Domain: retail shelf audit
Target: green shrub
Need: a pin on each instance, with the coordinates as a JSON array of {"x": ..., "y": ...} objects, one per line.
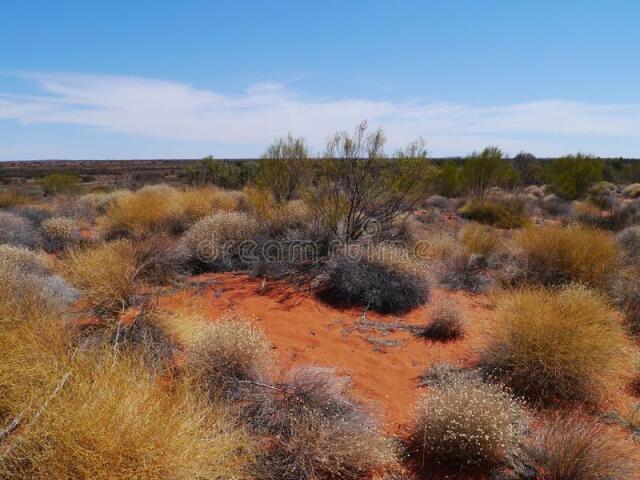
[
  {"x": 284, "y": 167},
  {"x": 500, "y": 213},
  {"x": 571, "y": 176},
  {"x": 59, "y": 183},
  {"x": 487, "y": 169}
]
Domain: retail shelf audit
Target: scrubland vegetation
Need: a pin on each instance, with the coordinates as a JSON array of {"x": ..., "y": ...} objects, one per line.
[{"x": 101, "y": 379}]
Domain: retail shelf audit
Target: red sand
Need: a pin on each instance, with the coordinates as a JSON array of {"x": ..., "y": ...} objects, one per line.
[{"x": 384, "y": 365}]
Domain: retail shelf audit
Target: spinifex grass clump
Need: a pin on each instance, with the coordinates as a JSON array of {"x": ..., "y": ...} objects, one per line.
[
  {"x": 105, "y": 275},
  {"x": 572, "y": 446},
  {"x": 557, "y": 255},
  {"x": 559, "y": 346}
]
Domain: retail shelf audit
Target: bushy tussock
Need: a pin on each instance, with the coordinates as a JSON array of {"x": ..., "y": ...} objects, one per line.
[
  {"x": 228, "y": 356},
  {"x": 467, "y": 424},
  {"x": 217, "y": 242},
  {"x": 510, "y": 212},
  {"x": 60, "y": 232},
  {"x": 278, "y": 216},
  {"x": 572, "y": 446},
  {"x": 17, "y": 230},
  {"x": 99, "y": 416},
  {"x": 11, "y": 199},
  {"x": 36, "y": 214},
  {"x": 632, "y": 190},
  {"x": 28, "y": 288},
  {"x": 320, "y": 432},
  {"x": 447, "y": 323},
  {"x": 553, "y": 205},
  {"x": 557, "y": 255},
  {"x": 383, "y": 278},
  {"x": 104, "y": 275},
  {"x": 629, "y": 240},
  {"x": 159, "y": 259},
  {"x": 558, "y": 346},
  {"x": 480, "y": 240},
  {"x": 465, "y": 272},
  {"x": 160, "y": 208},
  {"x": 436, "y": 246}
]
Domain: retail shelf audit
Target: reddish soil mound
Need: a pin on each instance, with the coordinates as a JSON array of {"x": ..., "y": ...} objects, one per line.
[{"x": 380, "y": 352}]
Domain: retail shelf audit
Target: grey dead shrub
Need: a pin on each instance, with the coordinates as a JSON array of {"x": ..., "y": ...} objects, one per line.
[
  {"x": 574, "y": 446},
  {"x": 221, "y": 241},
  {"x": 447, "y": 323},
  {"x": 29, "y": 290},
  {"x": 553, "y": 205},
  {"x": 629, "y": 240},
  {"x": 464, "y": 423},
  {"x": 60, "y": 232},
  {"x": 17, "y": 230},
  {"x": 465, "y": 272},
  {"x": 384, "y": 278},
  {"x": 319, "y": 431}
]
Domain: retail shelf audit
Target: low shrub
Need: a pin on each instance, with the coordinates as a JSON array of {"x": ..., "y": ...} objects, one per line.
[
  {"x": 228, "y": 357},
  {"x": 17, "y": 230},
  {"x": 104, "y": 275},
  {"x": 11, "y": 199},
  {"x": 501, "y": 213},
  {"x": 467, "y": 424},
  {"x": 575, "y": 447},
  {"x": 465, "y": 272},
  {"x": 629, "y": 240},
  {"x": 564, "y": 346},
  {"x": 436, "y": 246},
  {"x": 440, "y": 202},
  {"x": 36, "y": 214},
  {"x": 320, "y": 432},
  {"x": 632, "y": 191},
  {"x": 383, "y": 278},
  {"x": 60, "y": 232},
  {"x": 480, "y": 240},
  {"x": 447, "y": 323},
  {"x": 555, "y": 206},
  {"x": 61, "y": 182},
  {"x": 221, "y": 241},
  {"x": 159, "y": 259},
  {"x": 28, "y": 289},
  {"x": 558, "y": 255}
]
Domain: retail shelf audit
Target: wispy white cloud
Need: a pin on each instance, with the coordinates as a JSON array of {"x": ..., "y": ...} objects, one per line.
[{"x": 175, "y": 111}]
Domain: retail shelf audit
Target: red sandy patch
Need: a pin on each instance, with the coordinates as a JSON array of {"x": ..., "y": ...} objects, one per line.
[{"x": 382, "y": 356}]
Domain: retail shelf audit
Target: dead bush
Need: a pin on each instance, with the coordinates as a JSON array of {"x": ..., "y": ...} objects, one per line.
[
  {"x": 17, "y": 230},
  {"x": 465, "y": 272},
  {"x": 383, "y": 278},
  {"x": 572, "y": 446},
  {"x": 447, "y": 323},
  {"x": 319, "y": 431}
]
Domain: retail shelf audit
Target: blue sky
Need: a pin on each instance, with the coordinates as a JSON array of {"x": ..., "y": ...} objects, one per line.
[{"x": 148, "y": 79}]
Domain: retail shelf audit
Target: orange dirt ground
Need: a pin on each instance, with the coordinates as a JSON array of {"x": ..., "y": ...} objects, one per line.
[{"x": 383, "y": 359}]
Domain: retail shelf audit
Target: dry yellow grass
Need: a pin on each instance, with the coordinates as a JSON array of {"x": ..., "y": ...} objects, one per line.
[
  {"x": 568, "y": 254},
  {"x": 479, "y": 239},
  {"x": 90, "y": 415},
  {"x": 104, "y": 275},
  {"x": 559, "y": 346}
]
